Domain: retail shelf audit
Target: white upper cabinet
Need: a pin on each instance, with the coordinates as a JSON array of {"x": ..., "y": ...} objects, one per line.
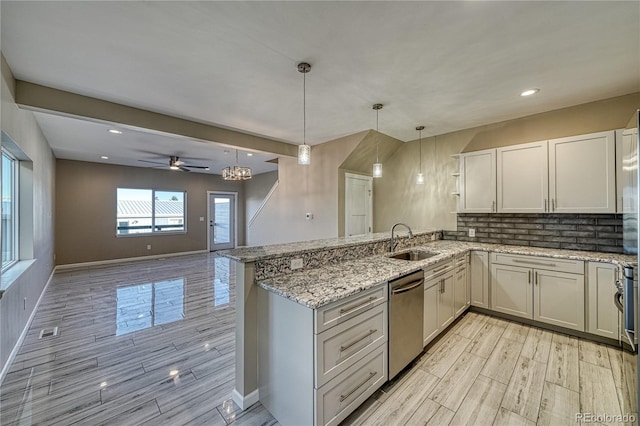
[
  {"x": 523, "y": 178},
  {"x": 626, "y": 169},
  {"x": 582, "y": 174},
  {"x": 478, "y": 182}
]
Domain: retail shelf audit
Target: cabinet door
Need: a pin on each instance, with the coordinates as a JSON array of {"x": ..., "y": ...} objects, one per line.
[
  {"x": 523, "y": 178},
  {"x": 511, "y": 291},
  {"x": 479, "y": 279},
  {"x": 559, "y": 299},
  {"x": 478, "y": 182},
  {"x": 626, "y": 170},
  {"x": 460, "y": 293},
  {"x": 431, "y": 324},
  {"x": 582, "y": 174},
  {"x": 603, "y": 316},
  {"x": 445, "y": 303}
]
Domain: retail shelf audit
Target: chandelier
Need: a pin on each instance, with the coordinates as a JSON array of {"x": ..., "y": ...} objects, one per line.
[{"x": 236, "y": 172}]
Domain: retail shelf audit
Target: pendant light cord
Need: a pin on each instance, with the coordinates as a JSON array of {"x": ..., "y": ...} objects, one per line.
[
  {"x": 377, "y": 136},
  {"x": 304, "y": 108},
  {"x": 420, "y": 150}
]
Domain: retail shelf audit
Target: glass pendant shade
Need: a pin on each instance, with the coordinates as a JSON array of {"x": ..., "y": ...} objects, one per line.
[
  {"x": 377, "y": 170},
  {"x": 420, "y": 179},
  {"x": 304, "y": 155}
]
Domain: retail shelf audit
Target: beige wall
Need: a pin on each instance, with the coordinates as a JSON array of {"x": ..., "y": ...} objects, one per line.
[
  {"x": 255, "y": 191},
  {"x": 302, "y": 189},
  {"x": 23, "y": 129},
  {"x": 86, "y": 208},
  {"x": 398, "y": 199}
]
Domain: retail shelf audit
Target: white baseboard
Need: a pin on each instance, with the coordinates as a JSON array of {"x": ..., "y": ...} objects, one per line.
[
  {"x": 16, "y": 347},
  {"x": 125, "y": 260},
  {"x": 247, "y": 401}
]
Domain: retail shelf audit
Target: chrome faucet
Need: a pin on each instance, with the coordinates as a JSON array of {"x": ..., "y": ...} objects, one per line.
[{"x": 394, "y": 244}]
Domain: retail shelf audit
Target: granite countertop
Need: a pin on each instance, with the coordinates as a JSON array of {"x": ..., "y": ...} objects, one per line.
[
  {"x": 252, "y": 254},
  {"x": 314, "y": 288}
]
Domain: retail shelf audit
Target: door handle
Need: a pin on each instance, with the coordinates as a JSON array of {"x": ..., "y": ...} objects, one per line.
[
  {"x": 529, "y": 277},
  {"x": 553, "y": 204},
  {"x": 407, "y": 287},
  {"x": 535, "y": 277},
  {"x": 545, "y": 204}
]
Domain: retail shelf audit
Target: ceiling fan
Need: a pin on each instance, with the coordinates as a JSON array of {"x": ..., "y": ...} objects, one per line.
[{"x": 176, "y": 164}]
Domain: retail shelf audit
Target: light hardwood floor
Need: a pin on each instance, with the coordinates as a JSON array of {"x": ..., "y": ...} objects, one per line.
[{"x": 152, "y": 343}]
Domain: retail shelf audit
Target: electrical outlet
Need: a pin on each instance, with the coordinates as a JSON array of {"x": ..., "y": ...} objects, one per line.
[
  {"x": 296, "y": 263},
  {"x": 148, "y": 246},
  {"x": 201, "y": 218},
  {"x": 472, "y": 232}
]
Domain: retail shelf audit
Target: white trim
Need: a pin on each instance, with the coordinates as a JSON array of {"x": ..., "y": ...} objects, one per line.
[
  {"x": 235, "y": 219},
  {"x": 126, "y": 260},
  {"x": 16, "y": 348},
  {"x": 263, "y": 203},
  {"x": 245, "y": 402},
  {"x": 347, "y": 191}
]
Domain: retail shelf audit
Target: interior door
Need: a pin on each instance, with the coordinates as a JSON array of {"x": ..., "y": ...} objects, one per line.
[
  {"x": 358, "y": 205},
  {"x": 222, "y": 221}
]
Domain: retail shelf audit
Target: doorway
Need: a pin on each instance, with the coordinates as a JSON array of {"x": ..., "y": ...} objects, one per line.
[
  {"x": 222, "y": 208},
  {"x": 358, "y": 204}
]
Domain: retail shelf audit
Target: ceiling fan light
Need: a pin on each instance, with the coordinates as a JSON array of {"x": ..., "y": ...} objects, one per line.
[{"x": 304, "y": 155}]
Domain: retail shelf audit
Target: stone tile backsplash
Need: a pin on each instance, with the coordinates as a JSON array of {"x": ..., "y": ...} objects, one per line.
[{"x": 591, "y": 232}]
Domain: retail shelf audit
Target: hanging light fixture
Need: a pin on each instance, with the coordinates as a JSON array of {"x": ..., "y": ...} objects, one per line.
[
  {"x": 236, "y": 172},
  {"x": 304, "y": 150},
  {"x": 377, "y": 166},
  {"x": 420, "y": 177}
]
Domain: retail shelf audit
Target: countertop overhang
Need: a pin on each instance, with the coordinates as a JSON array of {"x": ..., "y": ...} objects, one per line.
[{"x": 314, "y": 288}]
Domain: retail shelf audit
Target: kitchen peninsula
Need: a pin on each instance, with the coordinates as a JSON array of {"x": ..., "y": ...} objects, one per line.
[{"x": 275, "y": 282}]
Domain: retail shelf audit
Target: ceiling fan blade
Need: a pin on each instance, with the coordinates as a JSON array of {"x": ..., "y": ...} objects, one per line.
[
  {"x": 195, "y": 167},
  {"x": 183, "y": 169},
  {"x": 152, "y": 162}
]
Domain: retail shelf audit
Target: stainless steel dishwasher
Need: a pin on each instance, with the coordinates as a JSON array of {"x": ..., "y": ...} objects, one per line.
[{"x": 406, "y": 312}]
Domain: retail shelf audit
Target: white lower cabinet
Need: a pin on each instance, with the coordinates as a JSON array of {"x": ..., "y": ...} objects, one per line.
[
  {"x": 446, "y": 314},
  {"x": 543, "y": 289},
  {"x": 461, "y": 295},
  {"x": 479, "y": 279},
  {"x": 603, "y": 316},
  {"x": 431, "y": 326}
]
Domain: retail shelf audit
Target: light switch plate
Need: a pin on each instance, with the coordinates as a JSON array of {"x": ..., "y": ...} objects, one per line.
[
  {"x": 296, "y": 263},
  {"x": 472, "y": 232}
]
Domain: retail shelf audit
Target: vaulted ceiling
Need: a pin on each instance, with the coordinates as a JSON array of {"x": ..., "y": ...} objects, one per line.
[{"x": 446, "y": 65}]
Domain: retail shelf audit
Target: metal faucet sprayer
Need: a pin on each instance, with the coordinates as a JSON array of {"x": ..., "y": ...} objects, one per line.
[{"x": 394, "y": 244}]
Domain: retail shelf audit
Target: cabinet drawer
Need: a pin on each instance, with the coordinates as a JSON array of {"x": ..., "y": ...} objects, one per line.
[
  {"x": 461, "y": 260},
  {"x": 342, "y": 395},
  {"x": 438, "y": 269},
  {"x": 547, "y": 263},
  {"x": 343, "y": 310},
  {"x": 341, "y": 346}
]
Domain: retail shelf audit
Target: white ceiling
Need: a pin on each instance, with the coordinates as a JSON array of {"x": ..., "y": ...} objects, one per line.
[{"x": 447, "y": 65}]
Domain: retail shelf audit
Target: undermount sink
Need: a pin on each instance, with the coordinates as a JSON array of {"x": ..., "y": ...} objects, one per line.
[{"x": 412, "y": 255}]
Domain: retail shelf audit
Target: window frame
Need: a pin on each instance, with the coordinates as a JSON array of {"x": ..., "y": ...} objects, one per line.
[
  {"x": 15, "y": 207},
  {"x": 153, "y": 231}
]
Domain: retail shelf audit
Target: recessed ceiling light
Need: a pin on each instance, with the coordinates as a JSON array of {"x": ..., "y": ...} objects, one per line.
[
  {"x": 115, "y": 132},
  {"x": 104, "y": 157},
  {"x": 249, "y": 154},
  {"x": 529, "y": 92}
]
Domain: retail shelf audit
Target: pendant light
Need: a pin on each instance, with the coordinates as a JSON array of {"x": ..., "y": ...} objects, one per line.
[
  {"x": 420, "y": 177},
  {"x": 236, "y": 172},
  {"x": 377, "y": 166},
  {"x": 304, "y": 150}
]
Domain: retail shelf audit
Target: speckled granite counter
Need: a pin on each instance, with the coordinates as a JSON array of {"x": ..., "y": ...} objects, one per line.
[{"x": 317, "y": 287}]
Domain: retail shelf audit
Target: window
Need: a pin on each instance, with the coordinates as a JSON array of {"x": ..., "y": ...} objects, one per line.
[
  {"x": 9, "y": 210},
  {"x": 147, "y": 211}
]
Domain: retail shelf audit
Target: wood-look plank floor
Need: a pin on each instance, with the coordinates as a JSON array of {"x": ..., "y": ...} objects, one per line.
[
  {"x": 149, "y": 342},
  {"x": 153, "y": 343},
  {"x": 489, "y": 371}
]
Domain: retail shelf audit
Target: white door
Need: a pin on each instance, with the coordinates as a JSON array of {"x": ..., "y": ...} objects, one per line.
[
  {"x": 431, "y": 326},
  {"x": 523, "y": 178},
  {"x": 602, "y": 312},
  {"x": 358, "y": 204},
  {"x": 582, "y": 175},
  {"x": 479, "y": 278},
  {"x": 559, "y": 299},
  {"x": 222, "y": 221},
  {"x": 478, "y": 182},
  {"x": 445, "y": 305}
]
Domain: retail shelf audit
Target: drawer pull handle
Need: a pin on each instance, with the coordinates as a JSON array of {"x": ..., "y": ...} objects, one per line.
[
  {"x": 344, "y": 348},
  {"x": 529, "y": 262},
  {"x": 371, "y": 375},
  {"x": 356, "y": 307},
  {"x": 435, "y": 271},
  {"x": 407, "y": 287}
]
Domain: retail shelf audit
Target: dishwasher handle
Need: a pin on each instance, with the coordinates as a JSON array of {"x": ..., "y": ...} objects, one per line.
[{"x": 407, "y": 287}]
